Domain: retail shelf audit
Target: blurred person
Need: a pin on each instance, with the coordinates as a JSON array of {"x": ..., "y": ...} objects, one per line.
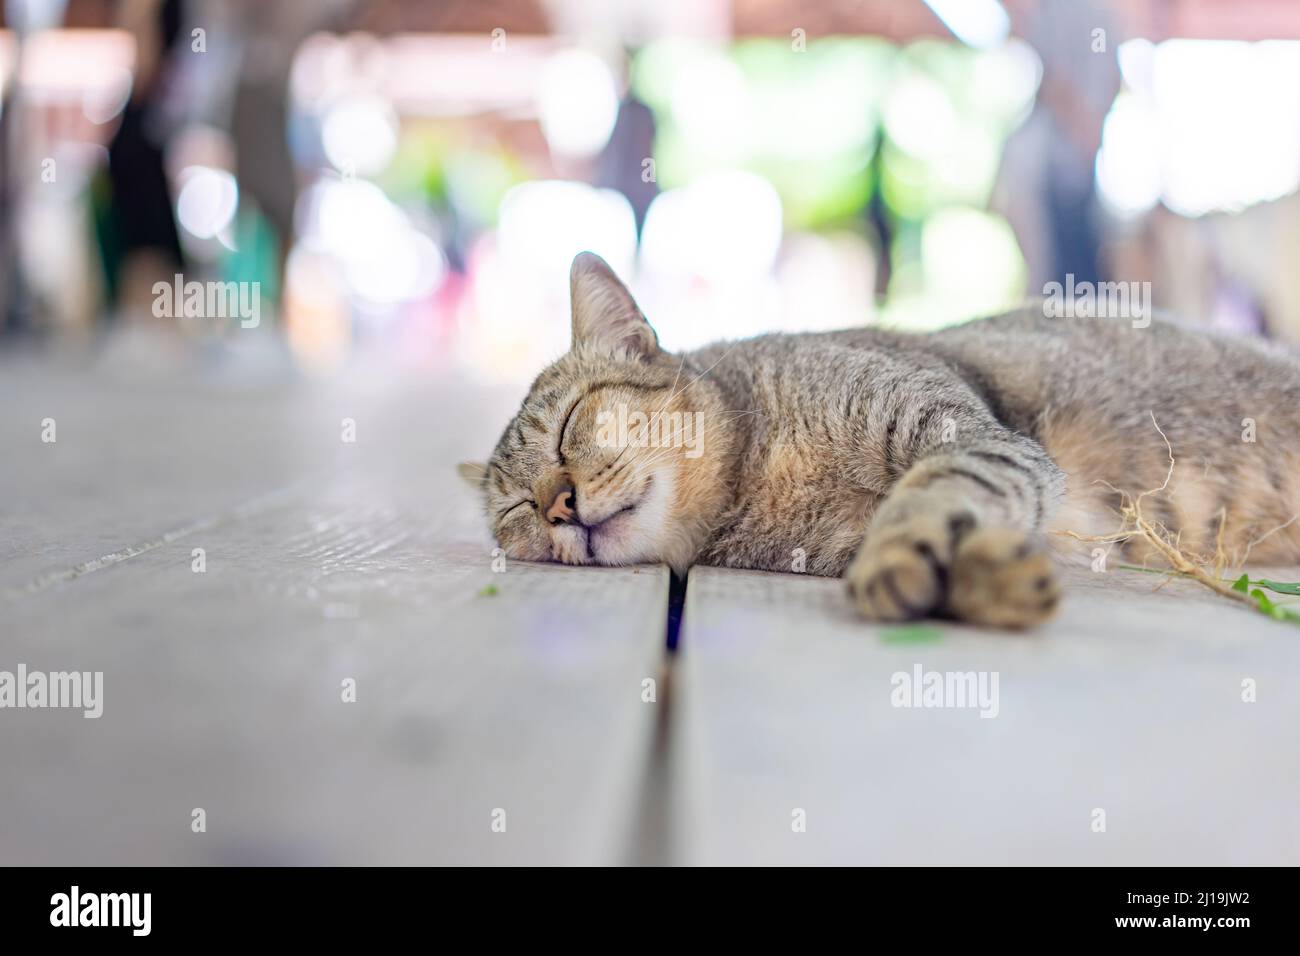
[
  {"x": 631, "y": 143},
  {"x": 10, "y": 308},
  {"x": 23, "y": 18},
  {"x": 1049, "y": 162},
  {"x": 876, "y": 223},
  {"x": 141, "y": 224},
  {"x": 269, "y": 35}
]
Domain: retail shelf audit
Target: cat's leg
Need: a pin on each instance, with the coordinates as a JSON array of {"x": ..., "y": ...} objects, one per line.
[{"x": 959, "y": 534}]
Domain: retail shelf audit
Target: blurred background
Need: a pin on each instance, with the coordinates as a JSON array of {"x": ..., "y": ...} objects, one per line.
[{"x": 405, "y": 181}]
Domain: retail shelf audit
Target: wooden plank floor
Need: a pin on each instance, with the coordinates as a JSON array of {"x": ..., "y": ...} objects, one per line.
[
  {"x": 329, "y": 560},
  {"x": 1130, "y": 702},
  {"x": 325, "y": 561}
]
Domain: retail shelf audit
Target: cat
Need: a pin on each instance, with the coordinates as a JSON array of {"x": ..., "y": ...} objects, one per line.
[{"x": 937, "y": 472}]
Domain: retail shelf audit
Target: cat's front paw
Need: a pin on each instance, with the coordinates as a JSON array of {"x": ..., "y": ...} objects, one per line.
[{"x": 930, "y": 566}]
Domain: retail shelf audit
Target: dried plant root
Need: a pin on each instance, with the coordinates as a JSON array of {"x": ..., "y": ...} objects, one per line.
[{"x": 1207, "y": 571}]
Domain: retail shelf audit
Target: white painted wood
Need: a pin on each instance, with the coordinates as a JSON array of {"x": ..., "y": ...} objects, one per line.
[
  {"x": 325, "y": 561},
  {"x": 1130, "y": 702},
  {"x": 329, "y": 560}
]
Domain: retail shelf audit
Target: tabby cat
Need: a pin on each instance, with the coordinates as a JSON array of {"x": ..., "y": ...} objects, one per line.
[{"x": 929, "y": 470}]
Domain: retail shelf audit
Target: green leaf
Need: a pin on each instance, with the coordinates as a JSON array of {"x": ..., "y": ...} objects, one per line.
[
  {"x": 489, "y": 591},
  {"x": 1244, "y": 584},
  {"x": 1275, "y": 611},
  {"x": 1280, "y": 587},
  {"x": 1265, "y": 605},
  {"x": 911, "y": 634}
]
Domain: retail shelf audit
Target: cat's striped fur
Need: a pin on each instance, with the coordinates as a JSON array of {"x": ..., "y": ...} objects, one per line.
[{"x": 927, "y": 469}]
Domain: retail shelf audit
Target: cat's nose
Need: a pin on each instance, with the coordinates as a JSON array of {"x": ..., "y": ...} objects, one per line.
[{"x": 561, "y": 510}]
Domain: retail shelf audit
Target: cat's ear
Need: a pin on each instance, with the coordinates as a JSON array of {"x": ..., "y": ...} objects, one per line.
[
  {"x": 604, "y": 312},
  {"x": 473, "y": 473}
]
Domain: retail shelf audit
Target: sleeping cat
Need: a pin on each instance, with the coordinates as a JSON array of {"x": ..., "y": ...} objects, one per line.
[{"x": 927, "y": 469}]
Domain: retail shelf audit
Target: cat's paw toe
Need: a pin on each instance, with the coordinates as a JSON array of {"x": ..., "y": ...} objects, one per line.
[
  {"x": 902, "y": 577},
  {"x": 1003, "y": 578}
]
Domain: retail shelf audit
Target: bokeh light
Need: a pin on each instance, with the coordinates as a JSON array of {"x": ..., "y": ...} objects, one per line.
[
  {"x": 577, "y": 103},
  {"x": 207, "y": 201},
  {"x": 359, "y": 135},
  {"x": 541, "y": 226},
  {"x": 1204, "y": 126}
]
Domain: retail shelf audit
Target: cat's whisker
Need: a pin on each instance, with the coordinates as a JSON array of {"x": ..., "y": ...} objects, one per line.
[
  {"x": 675, "y": 393},
  {"x": 644, "y": 466},
  {"x": 672, "y": 389}
]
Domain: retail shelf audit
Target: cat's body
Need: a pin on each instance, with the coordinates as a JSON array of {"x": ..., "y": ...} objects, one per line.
[
  {"x": 925, "y": 468},
  {"x": 837, "y": 417}
]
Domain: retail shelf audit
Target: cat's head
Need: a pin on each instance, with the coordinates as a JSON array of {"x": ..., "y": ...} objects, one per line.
[{"x": 619, "y": 452}]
